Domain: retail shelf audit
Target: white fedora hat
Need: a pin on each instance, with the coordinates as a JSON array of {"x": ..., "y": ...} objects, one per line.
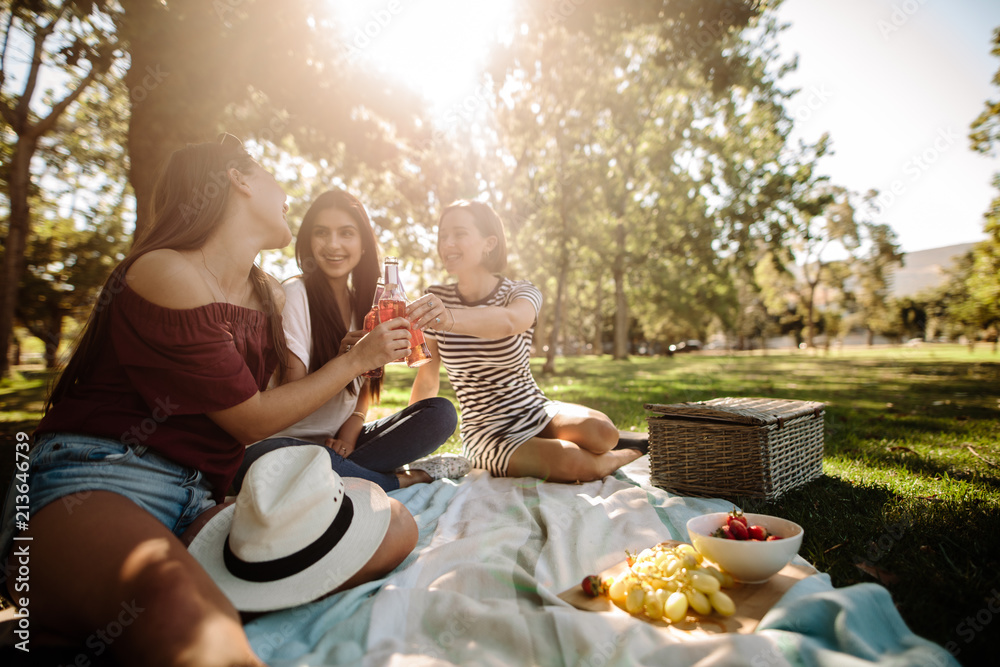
[{"x": 296, "y": 531}]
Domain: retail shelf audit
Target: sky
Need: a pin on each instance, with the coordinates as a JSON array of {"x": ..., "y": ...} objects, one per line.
[{"x": 897, "y": 83}]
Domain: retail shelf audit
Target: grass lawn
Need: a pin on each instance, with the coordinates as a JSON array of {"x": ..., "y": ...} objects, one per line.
[{"x": 910, "y": 496}]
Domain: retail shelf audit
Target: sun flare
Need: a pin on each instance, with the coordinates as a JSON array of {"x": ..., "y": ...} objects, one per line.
[{"x": 436, "y": 46}]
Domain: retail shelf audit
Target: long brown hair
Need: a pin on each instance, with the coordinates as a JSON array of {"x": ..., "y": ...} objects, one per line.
[
  {"x": 188, "y": 202},
  {"x": 328, "y": 327}
]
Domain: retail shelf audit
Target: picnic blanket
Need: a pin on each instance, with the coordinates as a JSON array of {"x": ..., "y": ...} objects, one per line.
[{"x": 482, "y": 585}]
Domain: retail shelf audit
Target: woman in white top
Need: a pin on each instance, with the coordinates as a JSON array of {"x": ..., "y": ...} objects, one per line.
[
  {"x": 481, "y": 328},
  {"x": 323, "y": 317}
]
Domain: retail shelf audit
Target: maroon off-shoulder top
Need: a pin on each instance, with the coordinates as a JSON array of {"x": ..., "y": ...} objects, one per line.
[{"x": 159, "y": 373}]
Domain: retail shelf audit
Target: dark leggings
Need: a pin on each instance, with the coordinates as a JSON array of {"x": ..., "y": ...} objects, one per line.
[{"x": 382, "y": 446}]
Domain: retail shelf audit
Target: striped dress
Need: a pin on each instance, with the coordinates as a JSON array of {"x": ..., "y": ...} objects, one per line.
[{"x": 501, "y": 405}]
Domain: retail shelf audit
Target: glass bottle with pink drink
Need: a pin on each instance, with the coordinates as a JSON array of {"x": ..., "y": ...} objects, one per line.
[
  {"x": 371, "y": 321},
  {"x": 393, "y": 304}
]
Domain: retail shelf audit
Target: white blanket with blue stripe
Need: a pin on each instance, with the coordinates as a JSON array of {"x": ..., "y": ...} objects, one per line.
[{"x": 481, "y": 588}]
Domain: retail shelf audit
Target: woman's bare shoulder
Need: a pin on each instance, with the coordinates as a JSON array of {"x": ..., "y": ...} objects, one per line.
[{"x": 168, "y": 279}]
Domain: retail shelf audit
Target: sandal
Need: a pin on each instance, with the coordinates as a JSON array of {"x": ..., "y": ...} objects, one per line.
[{"x": 451, "y": 466}]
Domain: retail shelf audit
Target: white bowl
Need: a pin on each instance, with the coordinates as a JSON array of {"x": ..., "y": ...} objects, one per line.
[{"x": 748, "y": 561}]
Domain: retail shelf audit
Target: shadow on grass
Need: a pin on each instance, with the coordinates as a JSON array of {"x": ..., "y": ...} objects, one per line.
[{"x": 940, "y": 560}]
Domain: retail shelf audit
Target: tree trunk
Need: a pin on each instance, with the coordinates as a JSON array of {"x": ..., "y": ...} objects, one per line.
[
  {"x": 176, "y": 78},
  {"x": 17, "y": 239},
  {"x": 51, "y": 336},
  {"x": 621, "y": 305},
  {"x": 810, "y": 316},
  {"x": 557, "y": 312},
  {"x": 599, "y": 320}
]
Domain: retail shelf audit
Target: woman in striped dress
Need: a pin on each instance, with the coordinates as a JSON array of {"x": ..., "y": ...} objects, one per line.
[{"x": 481, "y": 328}]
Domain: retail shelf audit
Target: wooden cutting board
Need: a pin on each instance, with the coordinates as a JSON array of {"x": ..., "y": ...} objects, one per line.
[{"x": 752, "y": 602}]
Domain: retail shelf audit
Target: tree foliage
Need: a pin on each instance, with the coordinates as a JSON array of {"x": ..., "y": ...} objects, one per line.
[
  {"x": 75, "y": 41},
  {"x": 265, "y": 70},
  {"x": 598, "y": 117},
  {"x": 639, "y": 153},
  {"x": 984, "y": 278},
  {"x": 83, "y": 222}
]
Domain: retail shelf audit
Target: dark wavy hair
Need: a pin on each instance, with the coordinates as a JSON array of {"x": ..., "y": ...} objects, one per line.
[
  {"x": 489, "y": 224},
  {"x": 328, "y": 328},
  {"x": 189, "y": 199}
]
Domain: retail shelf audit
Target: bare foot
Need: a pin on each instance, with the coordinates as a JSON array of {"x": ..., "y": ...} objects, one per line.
[{"x": 413, "y": 477}]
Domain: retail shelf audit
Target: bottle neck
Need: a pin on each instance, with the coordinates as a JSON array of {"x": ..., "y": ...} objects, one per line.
[
  {"x": 391, "y": 275},
  {"x": 393, "y": 288},
  {"x": 379, "y": 289}
]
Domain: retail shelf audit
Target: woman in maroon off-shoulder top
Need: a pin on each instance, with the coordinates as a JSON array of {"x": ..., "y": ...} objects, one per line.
[{"x": 149, "y": 421}]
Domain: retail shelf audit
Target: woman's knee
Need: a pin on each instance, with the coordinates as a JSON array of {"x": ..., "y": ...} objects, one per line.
[
  {"x": 176, "y": 585},
  {"x": 443, "y": 414},
  {"x": 402, "y": 534},
  {"x": 604, "y": 431},
  {"x": 174, "y": 607}
]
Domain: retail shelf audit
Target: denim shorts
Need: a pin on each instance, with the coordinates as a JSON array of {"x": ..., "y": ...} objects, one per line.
[{"x": 65, "y": 468}]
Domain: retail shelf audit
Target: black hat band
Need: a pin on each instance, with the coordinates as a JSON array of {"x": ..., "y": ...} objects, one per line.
[{"x": 286, "y": 566}]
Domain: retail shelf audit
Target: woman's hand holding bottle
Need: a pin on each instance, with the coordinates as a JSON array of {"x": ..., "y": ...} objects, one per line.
[
  {"x": 428, "y": 312},
  {"x": 387, "y": 342}
]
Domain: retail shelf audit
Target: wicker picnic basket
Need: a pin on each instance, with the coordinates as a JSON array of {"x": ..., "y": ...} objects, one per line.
[{"x": 727, "y": 447}]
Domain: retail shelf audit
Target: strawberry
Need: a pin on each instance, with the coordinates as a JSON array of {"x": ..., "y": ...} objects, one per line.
[
  {"x": 757, "y": 533},
  {"x": 737, "y": 516},
  {"x": 739, "y": 530},
  {"x": 772, "y": 538},
  {"x": 724, "y": 532},
  {"x": 593, "y": 586}
]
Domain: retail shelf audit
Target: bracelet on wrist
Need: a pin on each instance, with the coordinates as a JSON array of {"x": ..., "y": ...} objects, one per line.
[{"x": 358, "y": 413}]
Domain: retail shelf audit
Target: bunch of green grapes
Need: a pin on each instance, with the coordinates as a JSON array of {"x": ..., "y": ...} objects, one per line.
[{"x": 663, "y": 582}]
